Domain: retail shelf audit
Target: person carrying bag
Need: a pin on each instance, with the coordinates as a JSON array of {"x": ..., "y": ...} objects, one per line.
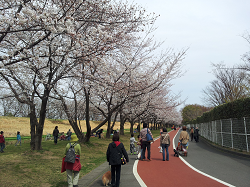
[
  {"x": 145, "y": 142},
  {"x": 115, "y": 154}
]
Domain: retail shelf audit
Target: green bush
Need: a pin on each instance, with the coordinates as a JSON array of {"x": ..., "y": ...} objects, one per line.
[{"x": 237, "y": 109}]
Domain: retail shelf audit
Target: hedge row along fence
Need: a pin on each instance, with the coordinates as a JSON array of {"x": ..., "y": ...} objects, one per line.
[{"x": 237, "y": 109}]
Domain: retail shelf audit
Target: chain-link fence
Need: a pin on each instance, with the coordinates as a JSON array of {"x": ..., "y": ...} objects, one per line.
[{"x": 233, "y": 133}]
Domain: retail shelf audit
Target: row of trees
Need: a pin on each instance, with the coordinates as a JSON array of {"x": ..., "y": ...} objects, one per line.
[{"x": 84, "y": 58}]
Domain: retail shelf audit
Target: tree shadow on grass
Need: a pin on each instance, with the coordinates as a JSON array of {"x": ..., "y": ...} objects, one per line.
[{"x": 62, "y": 184}]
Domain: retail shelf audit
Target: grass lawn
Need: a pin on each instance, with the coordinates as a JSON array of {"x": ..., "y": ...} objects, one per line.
[{"x": 21, "y": 167}]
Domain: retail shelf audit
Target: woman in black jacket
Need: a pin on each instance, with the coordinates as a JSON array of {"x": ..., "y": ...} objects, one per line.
[{"x": 114, "y": 155}]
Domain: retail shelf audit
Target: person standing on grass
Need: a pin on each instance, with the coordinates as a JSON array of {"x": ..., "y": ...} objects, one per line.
[
  {"x": 73, "y": 168},
  {"x": 115, "y": 152},
  {"x": 69, "y": 133},
  {"x": 2, "y": 141},
  {"x": 18, "y": 138},
  {"x": 55, "y": 134},
  {"x": 165, "y": 142},
  {"x": 145, "y": 143}
]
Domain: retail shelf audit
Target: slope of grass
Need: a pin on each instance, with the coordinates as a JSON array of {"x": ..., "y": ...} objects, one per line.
[{"x": 21, "y": 167}]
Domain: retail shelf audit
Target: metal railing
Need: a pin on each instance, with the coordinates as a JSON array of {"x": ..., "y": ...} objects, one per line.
[{"x": 232, "y": 133}]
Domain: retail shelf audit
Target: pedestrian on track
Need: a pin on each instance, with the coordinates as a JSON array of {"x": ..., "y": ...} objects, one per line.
[
  {"x": 115, "y": 153},
  {"x": 196, "y": 134},
  {"x": 145, "y": 143},
  {"x": 192, "y": 133},
  {"x": 165, "y": 142},
  {"x": 184, "y": 138}
]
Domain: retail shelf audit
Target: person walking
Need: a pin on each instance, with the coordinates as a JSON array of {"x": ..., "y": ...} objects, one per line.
[
  {"x": 165, "y": 142},
  {"x": 55, "y": 134},
  {"x": 184, "y": 138},
  {"x": 73, "y": 168},
  {"x": 196, "y": 134},
  {"x": 161, "y": 131},
  {"x": 18, "y": 138},
  {"x": 69, "y": 133},
  {"x": 192, "y": 133},
  {"x": 2, "y": 141},
  {"x": 145, "y": 143},
  {"x": 115, "y": 152}
]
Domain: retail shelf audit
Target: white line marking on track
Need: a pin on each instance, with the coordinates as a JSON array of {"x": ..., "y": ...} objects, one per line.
[
  {"x": 137, "y": 176},
  {"x": 183, "y": 160}
]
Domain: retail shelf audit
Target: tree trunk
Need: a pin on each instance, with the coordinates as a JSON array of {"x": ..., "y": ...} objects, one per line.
[
  {"x": 88, "y": 133},
  {"x": 131, "y": 126},
  {"x": 121, "y": 123},
  {"x": 39, "y": 129},
  {"x": 33, "y": 125},
  {"x": 116, "y": 114},
  {"x": 108, "y": 128}
]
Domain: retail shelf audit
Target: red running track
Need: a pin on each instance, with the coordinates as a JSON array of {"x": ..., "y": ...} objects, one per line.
[{"x": 158, "y": 173}]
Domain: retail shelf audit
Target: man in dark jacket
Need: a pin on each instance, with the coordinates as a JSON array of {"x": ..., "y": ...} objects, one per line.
[
  {"x": 196, "y": 134},
  {"x": 55, "y": 134},
  {"x": 115, "y": 153}
]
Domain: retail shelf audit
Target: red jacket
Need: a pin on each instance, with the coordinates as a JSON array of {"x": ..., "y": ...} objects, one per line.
[
  {"x": 75, "y": 167},
  {"x": 2, "y": 139}
]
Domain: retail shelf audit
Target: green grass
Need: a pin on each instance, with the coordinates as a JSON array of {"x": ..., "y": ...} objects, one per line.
[{"x": 22, "y": 167}]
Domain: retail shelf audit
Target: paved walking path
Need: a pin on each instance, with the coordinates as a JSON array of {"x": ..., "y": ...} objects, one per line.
[
  {"x": 176, "y": 172},
  {"x": 94, "y": 178}
]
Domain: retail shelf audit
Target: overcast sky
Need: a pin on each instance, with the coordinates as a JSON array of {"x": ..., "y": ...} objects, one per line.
[{"x": 212, "y": 29}]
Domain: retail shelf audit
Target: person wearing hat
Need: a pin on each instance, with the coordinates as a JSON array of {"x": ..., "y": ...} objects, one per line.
[
  {"x": 2, "y": 141},
  {"x": 73, "y": 168}
]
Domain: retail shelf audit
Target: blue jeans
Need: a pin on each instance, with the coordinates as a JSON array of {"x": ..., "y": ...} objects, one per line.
[
  {"x": 18, "y": 141},
  {"x": 55, "y": 139},
  {"x": 165, "y": 146},
  {"x": 69, "y": 138},
  {"x": 2, "y": 146},
  {"x": 145, "y": 145}
]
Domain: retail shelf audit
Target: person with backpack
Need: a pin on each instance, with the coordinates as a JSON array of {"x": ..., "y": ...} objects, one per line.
[
  {"x": 115, "y": 153},
  {"x": 72, "y": 161}
]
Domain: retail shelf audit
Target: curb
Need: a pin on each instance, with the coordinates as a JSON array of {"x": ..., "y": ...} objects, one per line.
[
  {"x": 89, "y": 178},
  {"x": 221, "y": 148}
]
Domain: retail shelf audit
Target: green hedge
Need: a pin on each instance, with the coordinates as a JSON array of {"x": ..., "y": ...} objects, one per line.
[{"x": 236, "y": 109}]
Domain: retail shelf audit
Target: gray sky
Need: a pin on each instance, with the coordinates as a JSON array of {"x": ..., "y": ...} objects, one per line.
[{"x": 212, "y": 29}]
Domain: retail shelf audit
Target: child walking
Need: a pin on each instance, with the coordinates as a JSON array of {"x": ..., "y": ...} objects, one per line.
[
  {"x": 132, "y": 144},
  {"x": 18, "y": 138},
  {"x": 139, "y": 147}
]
